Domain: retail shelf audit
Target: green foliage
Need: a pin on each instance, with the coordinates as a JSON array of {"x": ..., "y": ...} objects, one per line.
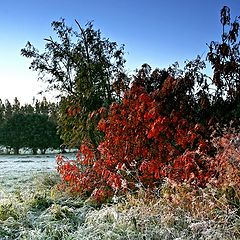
[
  {"x": 12, "y": 135},
  {"x": 86, "y": 69},
  {"x": 33, "y": 131},
  {"x": 41, "y": 133},
  {"x": 8, "y": 110},
  {"x": 2, "y": 110},
  {"x": 8, "y": 210},
  {"x": 30, "y": 126}
]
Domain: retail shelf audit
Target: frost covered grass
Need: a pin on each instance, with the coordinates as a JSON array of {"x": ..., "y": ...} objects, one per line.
[{"x": 37, "y": 210}]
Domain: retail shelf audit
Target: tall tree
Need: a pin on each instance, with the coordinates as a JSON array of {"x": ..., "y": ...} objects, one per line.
[
  {"x": 224, "y": 57},
  {"x": 16, "y": 105},
  {"x": 37, "y": 107},
  {"x": 53, "y": 110},
  {"x": 2, "y": 110},
  {"x": 85, "y": 68},
  {"x": 8, "y": 109},
  {"x": 44, "y": 106}
]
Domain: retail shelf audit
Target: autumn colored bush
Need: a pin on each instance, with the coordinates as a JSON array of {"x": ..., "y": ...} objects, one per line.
[
  {"x": 84, "y": 175},
  {"x": 143, "y": 145},
  {"x": 161, "y": 128},
  {"x": 227, "y": 164}
]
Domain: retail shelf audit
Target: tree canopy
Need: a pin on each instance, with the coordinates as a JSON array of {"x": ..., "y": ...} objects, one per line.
[
  {"x": 29, "y": 126},
  {"x": 87, "y": 70}
]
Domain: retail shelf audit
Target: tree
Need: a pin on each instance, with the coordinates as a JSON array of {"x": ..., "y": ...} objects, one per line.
[
  {"x": 2, "y": 110},
  {"x": 86, "y": 69},
  {"x": 27, "y": 109},
  {"x": 34, "y": 131},
  {"x": 13, "y": 133},
  {"x": 8, "y": 109},
  {"x": 41, "y": 133},
  {"x": 16, "y": 105},
  {"x": 224, "y": 58},
  {"x": 44, "y": 106},
  {"x": 53, "y": 111},
  {"x": 37, "y": 107}
]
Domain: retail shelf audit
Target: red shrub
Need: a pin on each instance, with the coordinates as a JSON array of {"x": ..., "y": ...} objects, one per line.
[
  {"x": 142, "y": 146},
  {"x": 227, "y": 164}
]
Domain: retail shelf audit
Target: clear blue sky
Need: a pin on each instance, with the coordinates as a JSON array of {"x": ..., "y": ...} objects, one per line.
[{"x": 157, "y": 32}]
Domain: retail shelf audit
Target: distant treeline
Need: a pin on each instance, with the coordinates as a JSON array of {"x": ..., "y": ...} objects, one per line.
[{"x": 30, "y": 126}]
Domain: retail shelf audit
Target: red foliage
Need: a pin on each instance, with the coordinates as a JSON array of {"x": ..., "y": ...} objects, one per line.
[
  {"x": 141, "y": 147},
  {"x": 227, "y": 161}
]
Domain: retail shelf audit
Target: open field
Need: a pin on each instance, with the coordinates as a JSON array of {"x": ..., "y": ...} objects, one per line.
[
  {"x": 18, "y": 169},
  {"x": 31, "y": 207}
]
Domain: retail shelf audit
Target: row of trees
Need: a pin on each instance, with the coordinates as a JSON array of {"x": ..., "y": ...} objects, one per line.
[
  {"x": 8, "y": 109},
  {"x": 136, "y": 135},
  {"x": 32, "y": 126}
]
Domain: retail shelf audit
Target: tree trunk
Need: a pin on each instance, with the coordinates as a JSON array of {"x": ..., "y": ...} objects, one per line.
[
  {"x": 34, "y": 151},
  {"x": 16, "y": 151},
  {"x": 43, "y": 151}
]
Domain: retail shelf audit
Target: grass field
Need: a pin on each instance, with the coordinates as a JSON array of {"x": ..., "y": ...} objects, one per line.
[{"x": 31, "y": 207}]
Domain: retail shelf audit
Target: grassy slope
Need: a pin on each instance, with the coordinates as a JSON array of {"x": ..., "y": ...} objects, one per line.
[{"x": 36, "y": 210}]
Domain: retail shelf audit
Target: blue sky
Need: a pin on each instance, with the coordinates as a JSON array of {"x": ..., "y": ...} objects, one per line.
[{"x": 156, "y": 32}]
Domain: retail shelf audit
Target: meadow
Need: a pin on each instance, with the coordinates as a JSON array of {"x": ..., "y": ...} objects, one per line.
[{"x": 32, "y": 207}]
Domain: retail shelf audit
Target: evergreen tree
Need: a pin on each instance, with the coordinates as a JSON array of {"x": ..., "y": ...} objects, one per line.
[
  {"x": 16, "y": 107},
  {"x": 8, "y": 110}
]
